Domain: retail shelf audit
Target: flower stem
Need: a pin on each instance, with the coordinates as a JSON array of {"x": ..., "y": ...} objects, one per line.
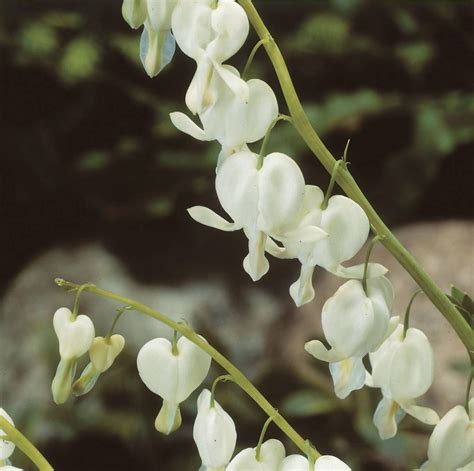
[
  {"x": 262, "y": 436},
  {"x": 367, "y": 258},
  {"x": 15, "y": 436},
  {"x": 251, "y": 57},
  {"x": 350, "y": 187},
  {"x": 185, "y": 329},
  {"x": 222, "y": 378},
  {"x": 406, "y": 320}
]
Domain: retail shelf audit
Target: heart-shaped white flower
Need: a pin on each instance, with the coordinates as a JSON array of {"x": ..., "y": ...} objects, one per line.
[
  {"x": 75, "y": 334},
  {"x": 104, "y": 351},
  {"x": 262, "y": 202},
  {"x": 6, "y": 447},
  {"x": 172, "y": 376},
  {"x": 272, "y": 453},
  {"x": 228, "y": 118},
  {"x": 323, "y": 463}
]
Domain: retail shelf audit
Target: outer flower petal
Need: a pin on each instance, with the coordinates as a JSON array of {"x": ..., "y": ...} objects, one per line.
[
  {"x": 272, "y": 453},
  {"x": 357, "y": 271},
  {"x": 209, "y": 218},
  {"x": 186, "y": 125},
  {"x": 294, "y": 463},
  {"x": 423, "y": 414},
  {"x": 330, "y": 463},
  {"x": 451, "y": 443},
  {"x": 214, "y": 433},
  {"x": 319, "y": 351},
  {"x": 255, "y": 263}
]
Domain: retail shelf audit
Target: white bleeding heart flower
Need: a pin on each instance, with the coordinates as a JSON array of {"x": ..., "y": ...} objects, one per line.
[
  {"x": 134, "y": 12},
  {"x": 354, "y": 324},
  {"x": 259, "y": 201},
  {"x": 75, "y": 335},
  {"x": 451, "y": 445},
  {"x": 172, "y": 375},
  {"x": 228, "y": 118},
  {"x": 347, "y": 227},
  {"x": 10, "y": 468},
  {"x": 403, "y": 368},
  {"x": 214, "y": 433},
  {"x": 6, "y": 447},
  {"x": 104, "y": 351},
  {"x": 210, "y": 33},
  {"x": 272, "y": 453},
  {"x": 323, "y": 463}
]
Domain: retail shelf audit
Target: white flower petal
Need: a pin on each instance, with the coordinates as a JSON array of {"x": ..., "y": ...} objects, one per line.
[
  {"x": 238, "y": 86},
  {"x": 348, "y": 375},
  {"x": 294, "y": 463},
  {"x": 330, "y": 463},
  {"x": 319, "y": 351},
  {"x": 423, "y": 414},
  {"x": 134, "y": 12},
  {"x": 6, "y": 447},
  {"x": 387, "y": 416},
  {"x": 188, "y": 126},
  {"x": 255, "y": 263},
  {"x": 169, "y": 418},
  {"x": 209, "y": 218},
  {"x": 374, "y": 270},
  {"x": 103, "y": 352},
  {"x": 302, "y": 290},
  {"x": 272, "y": 453}
]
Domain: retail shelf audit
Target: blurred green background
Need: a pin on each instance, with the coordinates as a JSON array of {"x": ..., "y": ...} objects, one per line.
[{"x": 89, "y": 154}]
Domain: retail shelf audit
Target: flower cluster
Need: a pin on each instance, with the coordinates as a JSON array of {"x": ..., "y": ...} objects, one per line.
[
  {"x": 266, "y": 197},
  {"x": 76, "y": 336}
]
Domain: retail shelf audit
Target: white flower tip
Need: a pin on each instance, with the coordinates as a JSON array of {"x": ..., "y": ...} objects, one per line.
[{"x": 168, "y": 419}]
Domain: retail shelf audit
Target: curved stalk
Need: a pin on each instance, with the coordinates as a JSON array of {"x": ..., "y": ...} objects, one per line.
[
  {"x": 185, "y": 329},
  {"x": 15, "y": 436},
  {"x": 350, "y": 187}
]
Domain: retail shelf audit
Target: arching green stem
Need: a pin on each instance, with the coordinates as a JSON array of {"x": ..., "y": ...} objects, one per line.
[
  {"x": 251, "y": 57},
  {"x": 15, "y": 436},
  {"x": 80, "y": 289},
  {"x": 328, "y": 193},
  {"x": 468, "y": 388},
  {"x": 185, "y": 329},
  {"x": 406, "y": 320},
  {"x": 218, "y": 380},
  {"x": 350, "y": 187},
  {"x": 263, "y": 148},
  {"x": 262, "y": 436}
]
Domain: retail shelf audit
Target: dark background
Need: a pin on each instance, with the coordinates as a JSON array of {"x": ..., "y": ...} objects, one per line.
[{"x": 89, "y": 154}]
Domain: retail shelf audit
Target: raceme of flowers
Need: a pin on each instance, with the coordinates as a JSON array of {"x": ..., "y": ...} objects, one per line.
[{"x": 265, "y": 196}]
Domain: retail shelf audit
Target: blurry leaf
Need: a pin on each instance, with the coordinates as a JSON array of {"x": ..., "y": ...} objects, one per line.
[
  {"x": 127, "y": 45},
  {"x": 432, "y": 132},
  {"x": 38, "y": 39},
  {"x": 93, "y": 161},
  {"x": 406, "y": 22},
  {"x": 415, "y": 56},
  {"x": 79, "y": 60},
  {"x": 63, "y": 19},
  {"x": 160, "y": 207},
  {"x": 307, "y": 402},
  {"x": 463, "y": 303}
]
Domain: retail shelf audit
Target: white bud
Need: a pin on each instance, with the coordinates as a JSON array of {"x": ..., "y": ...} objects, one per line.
[
  {"x": 214, "y": 433},
  {"x": 104, "y": 351}
]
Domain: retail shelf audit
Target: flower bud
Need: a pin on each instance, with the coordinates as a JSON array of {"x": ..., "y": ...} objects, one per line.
[
  {"x": 6, "y": 447},
  {"x": 214, "y": 433},
  {"x": 272, "y": 453},
  {"x": 172, "y": 375},
  {"x": 104, "y": 351}
]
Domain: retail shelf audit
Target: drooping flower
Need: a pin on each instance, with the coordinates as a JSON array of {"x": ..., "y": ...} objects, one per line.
[
  {"x": 102, "y": 354},
  {"x": 347, "y": 227},
  {"x": 210, "y": 33},
  {"x": 173, "y": 374},
  {"x": 75, "y": 335},
  {"x": 229, "y": 118},
  {"x": 272, "y": 453},
  {"x": 354, "y": 324},
  {"x": 262, "y": 202},
  {"x": 6, "y": 447},
  {"x": 214, "y": 433},
  {"x": 451, "y": 445},
  {"x": 323, "y": 463},
  {"x": 403, "y": 368}
]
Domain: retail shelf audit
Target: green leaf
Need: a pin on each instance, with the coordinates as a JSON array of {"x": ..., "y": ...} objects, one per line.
[
  {"x": 306, "y": 403},
  {"x": 463, "y": 303}
]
